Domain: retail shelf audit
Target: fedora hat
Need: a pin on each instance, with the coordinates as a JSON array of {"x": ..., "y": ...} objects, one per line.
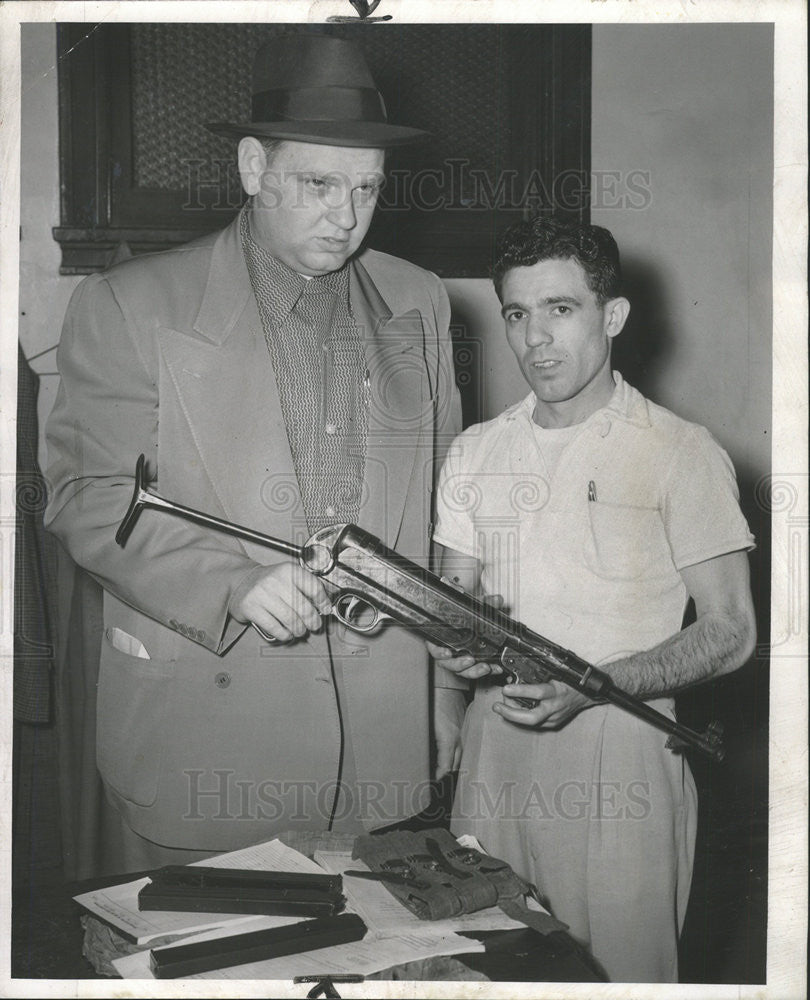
[{"x": 316, "y": 88}]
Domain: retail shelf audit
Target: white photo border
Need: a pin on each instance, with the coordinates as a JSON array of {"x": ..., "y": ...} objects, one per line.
[{"x": 787, "y": 874}]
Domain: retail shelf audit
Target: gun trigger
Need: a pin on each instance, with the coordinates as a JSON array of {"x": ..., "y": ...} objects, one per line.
[{"x": 356, "y": 620}]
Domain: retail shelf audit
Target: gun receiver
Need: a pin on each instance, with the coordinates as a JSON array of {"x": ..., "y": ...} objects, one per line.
[{"x": 370, "y": 584}]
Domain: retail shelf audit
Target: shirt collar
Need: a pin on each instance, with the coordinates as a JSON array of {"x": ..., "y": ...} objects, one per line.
[{"x": 626, "y": 404}]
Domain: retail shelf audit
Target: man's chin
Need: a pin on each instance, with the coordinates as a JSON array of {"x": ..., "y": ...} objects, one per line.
[
  {"x": 324, "y": 261},
  {"x": 548, "y": 389}
]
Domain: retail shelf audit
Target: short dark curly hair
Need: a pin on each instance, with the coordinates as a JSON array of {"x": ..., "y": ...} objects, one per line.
[{"x": 546, "y": 238}]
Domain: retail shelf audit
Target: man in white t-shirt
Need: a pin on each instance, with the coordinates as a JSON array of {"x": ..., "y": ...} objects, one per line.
[{"x": 596, "y": 514}]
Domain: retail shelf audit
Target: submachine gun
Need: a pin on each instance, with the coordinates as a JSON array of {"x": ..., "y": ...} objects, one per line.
[{"x": 370, "y": 584}]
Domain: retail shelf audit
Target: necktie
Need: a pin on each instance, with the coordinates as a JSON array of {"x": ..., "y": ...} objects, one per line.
[{"x": 320, "y": 369}]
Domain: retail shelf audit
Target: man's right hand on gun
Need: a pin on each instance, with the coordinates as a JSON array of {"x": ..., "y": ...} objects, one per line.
[
  {"x": 464, "y": 666},
  {"x": 285, "y": 601},
  {"x": 449, "y": 703}
]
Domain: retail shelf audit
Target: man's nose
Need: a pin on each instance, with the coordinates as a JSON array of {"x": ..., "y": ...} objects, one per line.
[
  {"x": 340, "y": 211},
  {"x": 537, "y": 332}
]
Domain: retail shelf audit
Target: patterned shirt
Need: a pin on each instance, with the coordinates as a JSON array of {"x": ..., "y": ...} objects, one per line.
[{"x": 322, "y": 379}]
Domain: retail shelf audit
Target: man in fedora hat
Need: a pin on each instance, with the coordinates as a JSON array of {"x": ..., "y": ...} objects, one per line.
[{"x": 279, "y": 375}]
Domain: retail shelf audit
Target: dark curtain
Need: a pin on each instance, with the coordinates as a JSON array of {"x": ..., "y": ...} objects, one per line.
[
  {"x": 57, "y": 641},
  {"x": 35, "y": 840},
  {"x": 34, "y": 567}
]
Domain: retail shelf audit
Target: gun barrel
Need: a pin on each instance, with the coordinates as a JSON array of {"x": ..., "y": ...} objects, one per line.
[
  {"x": 708, "y": 742},
  {"x": 416, "y": 598}
]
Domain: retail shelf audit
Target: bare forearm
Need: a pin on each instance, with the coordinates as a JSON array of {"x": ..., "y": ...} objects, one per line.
[{"x": 714, "y": 645}]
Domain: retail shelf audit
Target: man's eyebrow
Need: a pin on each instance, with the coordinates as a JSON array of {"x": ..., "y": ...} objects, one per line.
[
  {"x": 549, "y": 300},
  {"x": 373, "y": 177},
  {"x": 568, "y": 300},
  {"x": 507, "y": 306}
]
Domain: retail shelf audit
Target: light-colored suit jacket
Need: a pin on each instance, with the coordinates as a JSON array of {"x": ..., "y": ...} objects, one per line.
[{"x": 208, "y": 737}]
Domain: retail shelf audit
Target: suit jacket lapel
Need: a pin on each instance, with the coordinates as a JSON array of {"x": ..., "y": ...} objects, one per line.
[
  {"x": 225, "y": 383},
  {"x": 399, "y": 400}
]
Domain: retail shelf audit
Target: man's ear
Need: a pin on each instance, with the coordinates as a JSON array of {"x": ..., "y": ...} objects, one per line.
[
  {"x": 252, "y": 164},
  {"x": 616, "y": 312}
]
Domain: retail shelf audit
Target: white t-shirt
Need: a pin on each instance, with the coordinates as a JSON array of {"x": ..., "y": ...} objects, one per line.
[{"x": 588, "y": 552}]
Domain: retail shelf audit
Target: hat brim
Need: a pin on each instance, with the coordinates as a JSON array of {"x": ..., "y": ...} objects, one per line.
[{"x": 370, "y": 135}]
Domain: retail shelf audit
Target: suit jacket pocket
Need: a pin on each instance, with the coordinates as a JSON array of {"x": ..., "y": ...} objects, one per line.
[{"x": 133, "y": 695}]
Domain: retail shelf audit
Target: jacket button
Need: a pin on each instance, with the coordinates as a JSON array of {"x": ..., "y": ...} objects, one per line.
[{"x": 222, "y": 680}]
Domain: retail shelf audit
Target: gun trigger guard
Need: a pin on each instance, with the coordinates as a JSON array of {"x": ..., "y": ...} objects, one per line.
[{"x": 346, "y": 607}]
